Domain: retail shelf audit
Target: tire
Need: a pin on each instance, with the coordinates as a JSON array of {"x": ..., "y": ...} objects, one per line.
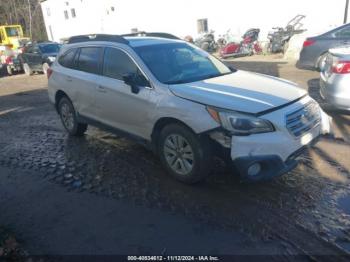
[
  {"x": 69, "y": 118},
  {"x": 9, "y": 70},
  {"x": 184, "y": 155},
  {"x": 27, "y": 70},
  {"x": 320, "y": 61},
  {"x": 45, "y": 68}
]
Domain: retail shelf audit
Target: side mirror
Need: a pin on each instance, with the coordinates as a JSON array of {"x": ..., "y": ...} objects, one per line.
[{"x": 135, "y": 81}]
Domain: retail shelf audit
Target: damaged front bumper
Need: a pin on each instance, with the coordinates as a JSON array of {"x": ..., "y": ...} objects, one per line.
[{"x": 259, "y": 157}]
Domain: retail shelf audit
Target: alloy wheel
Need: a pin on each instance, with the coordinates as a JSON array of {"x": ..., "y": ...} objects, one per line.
[
  {"x": 178, "y": 154},
  {"x": 67, "y": 116}
]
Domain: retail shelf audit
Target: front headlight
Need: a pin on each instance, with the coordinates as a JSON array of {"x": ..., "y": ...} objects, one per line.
[
  {"x": 240, "y": 124},
  {"x": 52, "y": 58}
]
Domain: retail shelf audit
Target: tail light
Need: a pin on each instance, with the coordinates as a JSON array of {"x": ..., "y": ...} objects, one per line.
[
  {"x": 49, "y": 72},
  {"x": 308, "y": 42},
  {"x": 341, "y": 67}
]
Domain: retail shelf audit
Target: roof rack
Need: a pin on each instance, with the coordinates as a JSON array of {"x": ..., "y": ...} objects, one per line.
[
  {"x": 153, "y": 34},
  {"x": 116, "y": 38},
  {"x": 97, "y": 37}
]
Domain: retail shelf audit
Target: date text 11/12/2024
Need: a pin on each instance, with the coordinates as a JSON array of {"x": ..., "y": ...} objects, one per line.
[{"x": 173, "y": 258}]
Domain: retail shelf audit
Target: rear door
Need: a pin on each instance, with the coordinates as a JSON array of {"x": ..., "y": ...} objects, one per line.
[
  {"x": 85, "y": 79},
  {"x": 77, "y": 76}
]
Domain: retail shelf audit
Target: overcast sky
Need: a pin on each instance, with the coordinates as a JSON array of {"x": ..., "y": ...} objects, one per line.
[
  {"x": 180, "y": 16},
  {"x": 240, "y": 15}
]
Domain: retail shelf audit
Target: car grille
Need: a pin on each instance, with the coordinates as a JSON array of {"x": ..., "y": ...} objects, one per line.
[{"x": 304, "y": 119}]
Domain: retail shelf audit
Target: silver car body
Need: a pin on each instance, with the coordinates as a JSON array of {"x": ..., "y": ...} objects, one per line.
[
  {"x": 335, "y": 87},
  {"x": 110, "y": 102}
]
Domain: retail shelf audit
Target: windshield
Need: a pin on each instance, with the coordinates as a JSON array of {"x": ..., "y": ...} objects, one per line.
[
  {"x": 12, "y": 31},
  {"x": 47, "y": 49},
  {"x": 180, "y": 63}
]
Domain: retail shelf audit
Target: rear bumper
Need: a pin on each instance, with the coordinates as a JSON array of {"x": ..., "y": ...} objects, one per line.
[{"x": 335, "y": 92}]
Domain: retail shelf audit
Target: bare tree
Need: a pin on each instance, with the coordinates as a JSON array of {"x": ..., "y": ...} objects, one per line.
[{"x": 26, "y": 13}]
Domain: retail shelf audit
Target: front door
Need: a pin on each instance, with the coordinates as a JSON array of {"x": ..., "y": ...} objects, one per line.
[
  {"x": 33, "y": 58},
  {"x": 116, "y": 104}
]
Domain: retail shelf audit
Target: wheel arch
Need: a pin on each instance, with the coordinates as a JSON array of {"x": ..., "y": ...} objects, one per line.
[
  {"x": 161, "y": 123},
  {"x": 318, "y": 59},
  {"x": 58, "y": 96}
]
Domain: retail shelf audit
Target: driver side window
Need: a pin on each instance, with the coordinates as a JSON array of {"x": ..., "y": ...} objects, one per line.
[
  {"x": 118, "y": 64},
  {"x": 29, "y": 49},
  {"x": 36, "y": 50}
]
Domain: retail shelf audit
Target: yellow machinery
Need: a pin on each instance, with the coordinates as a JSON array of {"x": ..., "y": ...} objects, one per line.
[{"x": 12, "y": 36}]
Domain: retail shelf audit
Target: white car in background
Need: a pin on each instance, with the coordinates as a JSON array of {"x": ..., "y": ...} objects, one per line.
[{"x": 185, "y": 104}]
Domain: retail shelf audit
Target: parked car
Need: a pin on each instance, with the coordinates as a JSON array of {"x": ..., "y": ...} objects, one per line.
[
  {"x": 335, "y": 78},
  {"x": 9, "y": 60},
  {"x": 184, "y": 104},
  {"x": 38, "y": 57},
  {"x": 315, "y": 49}
]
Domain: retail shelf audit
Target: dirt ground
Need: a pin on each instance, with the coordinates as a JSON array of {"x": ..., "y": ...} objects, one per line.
[{"x": 102, "y": 194}]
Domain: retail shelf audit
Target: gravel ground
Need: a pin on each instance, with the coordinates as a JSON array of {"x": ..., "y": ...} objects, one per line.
[{"x": 305, "y": 212}]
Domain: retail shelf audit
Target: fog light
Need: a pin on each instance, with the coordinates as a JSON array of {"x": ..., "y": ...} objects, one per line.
[{"x": 254, "y": 169}]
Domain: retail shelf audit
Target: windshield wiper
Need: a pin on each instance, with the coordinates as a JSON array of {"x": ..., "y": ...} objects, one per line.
[
  {"x": 190, "y": 80},
  {"x": 216, "y": 75}
]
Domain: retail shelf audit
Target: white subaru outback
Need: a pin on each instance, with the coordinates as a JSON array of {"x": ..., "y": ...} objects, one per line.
[{"x": 184, "y": 104}]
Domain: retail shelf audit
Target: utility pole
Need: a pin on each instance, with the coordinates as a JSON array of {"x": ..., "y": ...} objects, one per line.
[
  {"x": 346, "y": 11},
  {"x": 30, "y": 18}
]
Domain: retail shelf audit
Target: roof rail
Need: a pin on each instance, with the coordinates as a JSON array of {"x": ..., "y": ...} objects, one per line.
[
  {"x": 97, "y": 37},
  {"x": 153, "y": 34},
  {"x": 116, "y": 38}
]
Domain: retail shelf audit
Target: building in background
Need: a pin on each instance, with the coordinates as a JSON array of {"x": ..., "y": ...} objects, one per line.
[{"x": 64, "y": 18}]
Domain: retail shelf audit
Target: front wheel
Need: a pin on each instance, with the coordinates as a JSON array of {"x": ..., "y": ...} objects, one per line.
[
  {"x": 185, "y": 156},
  {"x": 9, "y": 70},
  {"x": 27, "y": 70},
  {"x": 45, "y": 68},
  {"x": 69, "y": 118}
]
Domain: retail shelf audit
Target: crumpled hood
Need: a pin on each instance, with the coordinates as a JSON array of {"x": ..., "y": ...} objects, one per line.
[{"x": 240, "y": 91}]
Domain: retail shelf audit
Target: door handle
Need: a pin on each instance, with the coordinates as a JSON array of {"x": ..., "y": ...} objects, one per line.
[
  {"x": 69, "y": 79},
  {"x": 101, "y": 89}
]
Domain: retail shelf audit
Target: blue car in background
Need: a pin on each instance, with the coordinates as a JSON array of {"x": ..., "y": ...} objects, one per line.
[{"x": 315, "y": 49}]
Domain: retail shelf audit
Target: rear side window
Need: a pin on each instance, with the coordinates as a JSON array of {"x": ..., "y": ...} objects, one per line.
[
  {"x": 67, "y": 59},
  {"x": 89, "y": 59},
  {"x": 345, "y": 32},
  {"x": 117, "y": 64}
]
